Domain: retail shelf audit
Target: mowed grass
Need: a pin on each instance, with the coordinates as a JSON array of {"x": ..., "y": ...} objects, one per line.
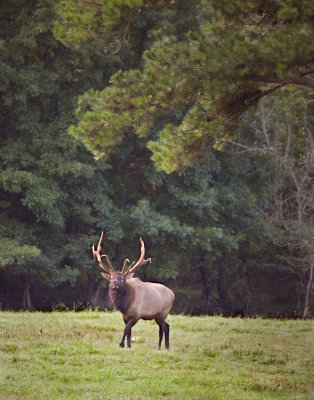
[{"x": 76, "y": 356}]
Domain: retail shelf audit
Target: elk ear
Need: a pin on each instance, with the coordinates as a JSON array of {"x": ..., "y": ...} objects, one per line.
[
  {"x": 129, "y": 276},
  {"x": 106, "y": 276}
]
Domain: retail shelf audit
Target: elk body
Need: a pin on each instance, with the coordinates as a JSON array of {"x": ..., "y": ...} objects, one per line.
[{"x": 136, "y": 299}]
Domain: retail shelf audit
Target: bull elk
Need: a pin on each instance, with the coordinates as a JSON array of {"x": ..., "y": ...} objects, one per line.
[{"x": 136, "y": 299}]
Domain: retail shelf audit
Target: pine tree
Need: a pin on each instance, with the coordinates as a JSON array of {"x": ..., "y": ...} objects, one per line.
[{"x": 207, "y": 71}]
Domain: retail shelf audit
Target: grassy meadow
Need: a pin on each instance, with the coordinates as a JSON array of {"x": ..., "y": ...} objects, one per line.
[{"x": 76, "y": 356}]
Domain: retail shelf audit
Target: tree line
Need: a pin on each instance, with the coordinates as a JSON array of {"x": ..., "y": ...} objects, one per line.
[{"x": 172, "y": 121}]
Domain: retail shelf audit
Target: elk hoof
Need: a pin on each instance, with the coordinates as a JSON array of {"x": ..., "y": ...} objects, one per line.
[{"x": 121, "y": 345}]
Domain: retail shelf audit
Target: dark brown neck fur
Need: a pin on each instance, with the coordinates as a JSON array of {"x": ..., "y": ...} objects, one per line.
[{"x": 122, "y": 298}]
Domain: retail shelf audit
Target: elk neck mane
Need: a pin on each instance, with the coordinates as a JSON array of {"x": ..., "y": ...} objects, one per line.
[{"x": 124, "y": 297}]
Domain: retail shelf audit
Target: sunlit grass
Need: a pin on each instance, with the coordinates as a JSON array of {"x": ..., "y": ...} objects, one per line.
[{"x": 76, "y": 356}]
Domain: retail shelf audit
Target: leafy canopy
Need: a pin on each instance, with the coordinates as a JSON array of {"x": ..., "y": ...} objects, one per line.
[
  {"x": 205, "y": 72},
  {"x": 48, "y": 181}
]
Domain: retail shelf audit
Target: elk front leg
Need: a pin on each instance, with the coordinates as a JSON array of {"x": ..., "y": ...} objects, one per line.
[
  {"x": 127, "y": 331},
  {"x": 128, "y": 334}
]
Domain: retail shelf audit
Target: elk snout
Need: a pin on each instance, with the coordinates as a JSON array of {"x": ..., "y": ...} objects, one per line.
[{"x": 116, "y": 284}]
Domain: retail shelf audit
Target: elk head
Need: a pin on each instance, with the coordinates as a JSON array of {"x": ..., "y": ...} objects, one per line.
[{"x": 117, "y": 279}]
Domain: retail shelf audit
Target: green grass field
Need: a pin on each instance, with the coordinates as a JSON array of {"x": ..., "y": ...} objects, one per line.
[{"x": 76, "y": 356}]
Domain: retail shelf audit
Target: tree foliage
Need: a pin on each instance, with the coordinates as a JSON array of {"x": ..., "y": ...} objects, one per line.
[
  {"x": 138, "y": 73},
  {"x": 206, "y": 72},
  {"x": 47, "y": 182},
  {"x": 283, "y": 126}
]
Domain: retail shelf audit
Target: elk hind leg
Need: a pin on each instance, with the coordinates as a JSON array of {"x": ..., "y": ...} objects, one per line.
[
  {"x": 166, "y": 331},
  {"x": 160, "y": 321}
]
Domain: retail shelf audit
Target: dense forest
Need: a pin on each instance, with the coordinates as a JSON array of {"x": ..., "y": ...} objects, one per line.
[{"x": 189, "y": 124}]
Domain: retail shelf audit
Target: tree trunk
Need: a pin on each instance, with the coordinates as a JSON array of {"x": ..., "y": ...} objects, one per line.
[
  {"x": 206, "y": 288},
  {"x": 94, "y": 299},
  {"x": 247, "y": 306},
  {"x": 27, "y": 303},
  {"x": 94, "y": 288},
  {"x": 296, "y": 311},
  {"x": 223, "y": 289},
  {"x": 308, "y": 291}
]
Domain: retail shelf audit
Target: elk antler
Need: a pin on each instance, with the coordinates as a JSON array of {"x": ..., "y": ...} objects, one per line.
[
  {"x": 97, "y": 256},
  {"x": 140, "y": 261},
  {"x": 124, "y": 264}
]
